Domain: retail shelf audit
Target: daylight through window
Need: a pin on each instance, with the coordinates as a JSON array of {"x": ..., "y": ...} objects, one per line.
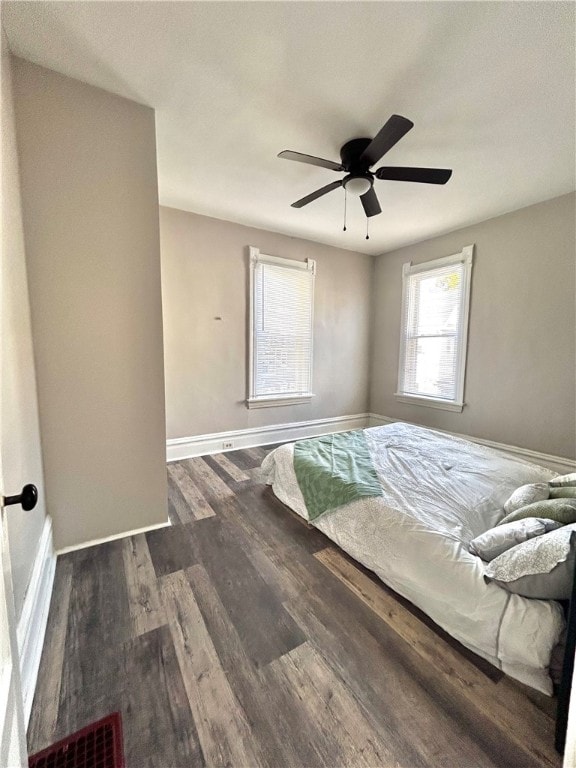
[
  {"x": 281, "y": 314},
  {"x": 435, "y": 300}
]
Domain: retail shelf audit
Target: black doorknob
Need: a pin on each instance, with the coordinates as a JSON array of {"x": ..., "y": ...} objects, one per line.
[{"x": 27, "y": 498}]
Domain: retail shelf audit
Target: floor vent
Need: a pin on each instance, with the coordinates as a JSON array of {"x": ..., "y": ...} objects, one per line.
[{"x": 99, "y": 745}]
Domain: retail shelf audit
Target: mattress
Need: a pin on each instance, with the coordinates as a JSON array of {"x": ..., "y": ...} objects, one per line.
[{"x": 438, "y": 493}]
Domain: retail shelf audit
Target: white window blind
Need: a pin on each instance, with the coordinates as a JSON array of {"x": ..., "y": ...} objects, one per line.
[
  {"x": 282, "y": 301},
  {"x": 434, "y": 331}
]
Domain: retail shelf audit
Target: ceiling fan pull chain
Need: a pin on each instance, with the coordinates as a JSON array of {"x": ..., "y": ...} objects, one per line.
[
  {"x": 345, "y": 199},
  {"x": 367, "y": 220}
]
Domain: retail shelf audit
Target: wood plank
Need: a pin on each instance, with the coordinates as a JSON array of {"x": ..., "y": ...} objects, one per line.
[
  {"x": 98, "y": 626},
  {"x": 172, "y": 549},
  {"x": 279, "y": 744},
  {"x": 261, "y": 513},
  {"x": 157, "y": 724},
  {"x": 233, "y": 485},
  {"x": 223, "y": 728},
  {"x": 265, "y": 628},
  {"x": 283, "y": 559},
  {"x": 260, "y": 551},
  {"x": 212, "y": 487},
  {"x": 258, "y": 454},
  {"x": 326, "y": 700},
  {"x": 546, "y": 704},
  {"x": 173, "y": 514},
  {"x": 391, "y": 682},
  {"x": 234, "y": 472},
  {"x": 253, "y": 476},
  {"x": 158, "y": 727},
  {"x": 44, "y": 715},
  {"x": 508, "y": 710},
  {"x": 198, "y": 507},
  {"x": 242, "y": 459},
  {"x": 146, "y": 609},
  {"x": 178, "y": 503},
  {"x": 278, "y": 578}
]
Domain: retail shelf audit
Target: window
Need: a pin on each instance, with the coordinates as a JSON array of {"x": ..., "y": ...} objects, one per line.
[
  {"x": 434, "y": 330},
  {"x": 281, "y": 320}
]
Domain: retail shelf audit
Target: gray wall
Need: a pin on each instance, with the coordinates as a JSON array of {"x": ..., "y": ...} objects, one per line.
[
  {"x": 89, "y": 194},
  {"x": 204, "y": 276},
  {"x": 20, "y": 438},
  {"x": 520, "y": 380}
]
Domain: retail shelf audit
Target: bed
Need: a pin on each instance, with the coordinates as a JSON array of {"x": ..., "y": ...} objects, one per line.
[{"x": 438, "y": 492}]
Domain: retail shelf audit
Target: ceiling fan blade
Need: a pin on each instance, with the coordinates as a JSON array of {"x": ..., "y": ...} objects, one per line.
[
  {"x": 288, "y": 154},
  {"x": 370, "y": 203},
  {"x": 396, "y": 127},
  {"x": 315, "y": 195},
  {"x": 422, "y": 175}
]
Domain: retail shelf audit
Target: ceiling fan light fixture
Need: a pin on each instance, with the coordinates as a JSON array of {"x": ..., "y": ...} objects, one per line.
[
  {"x": 357, "y": 185},
  {"x": 357, "y": 158}
]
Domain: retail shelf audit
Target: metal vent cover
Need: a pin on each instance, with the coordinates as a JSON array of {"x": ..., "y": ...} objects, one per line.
[{"x": 98, "y": 745}]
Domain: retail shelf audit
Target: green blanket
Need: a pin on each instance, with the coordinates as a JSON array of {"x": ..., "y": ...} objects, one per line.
[{"x": 333, "y": 470}]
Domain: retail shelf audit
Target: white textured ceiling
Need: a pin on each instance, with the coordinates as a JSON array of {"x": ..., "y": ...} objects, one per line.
[{"x": 490, "y": 88}]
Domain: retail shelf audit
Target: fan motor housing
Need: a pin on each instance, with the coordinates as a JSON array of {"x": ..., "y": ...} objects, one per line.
[{"x": 350, "y": 154}]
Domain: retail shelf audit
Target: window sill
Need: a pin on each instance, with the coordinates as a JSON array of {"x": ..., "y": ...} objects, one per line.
[
  {"x": 272, "y": 402},
  {"x": 430, "y": 402}
]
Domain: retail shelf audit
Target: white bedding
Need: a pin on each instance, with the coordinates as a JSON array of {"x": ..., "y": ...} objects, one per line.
[{"x": 439, "y": 492}]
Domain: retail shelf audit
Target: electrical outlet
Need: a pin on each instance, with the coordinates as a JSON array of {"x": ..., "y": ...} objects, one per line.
[{"x": 227, "y": 444}]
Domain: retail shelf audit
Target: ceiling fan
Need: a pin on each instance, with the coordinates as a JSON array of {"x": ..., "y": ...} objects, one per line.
[{"x": 358, "y": 156}]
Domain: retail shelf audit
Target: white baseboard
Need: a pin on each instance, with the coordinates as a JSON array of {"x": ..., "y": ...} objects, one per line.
[
  {"x": 559, "y": 464},
  {"x": 201, "y": 445},
  {"x": 113, "y": 537},
  {"x": 32, "y": 623}
]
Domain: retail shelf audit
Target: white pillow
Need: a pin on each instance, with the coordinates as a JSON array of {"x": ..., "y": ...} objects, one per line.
[
  {"x": 541, "y": 568},
  {"x": 497, "y": 540},
  {"x": 563, "y": 480},
  {"x": 526, "y": 494}
]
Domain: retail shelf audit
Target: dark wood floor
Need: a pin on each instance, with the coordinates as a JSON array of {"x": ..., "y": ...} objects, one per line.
[{"x": 239, "y": 637}]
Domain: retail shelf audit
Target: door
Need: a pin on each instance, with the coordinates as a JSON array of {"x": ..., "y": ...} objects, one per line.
[{"x": 12, "y": 733}]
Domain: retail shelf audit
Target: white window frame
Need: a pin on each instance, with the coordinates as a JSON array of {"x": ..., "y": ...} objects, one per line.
[
  {"x": 457, "y": 404},
  {"x": 269, "y": 401}
]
